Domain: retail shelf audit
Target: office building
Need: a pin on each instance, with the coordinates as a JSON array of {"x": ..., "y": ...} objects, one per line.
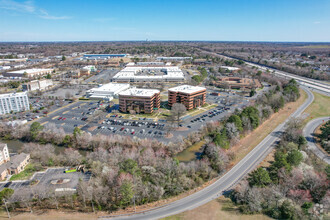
[
  {"x": 37, "y": 85},
  {"x": 14, "y": 102},
  {"x": 237, "y": 83},
  {"x": 28, "y": 73},
  {"x": 107, "y": 91},
  {"x": 139, "y": 100},
  {"x": 190, "y": 96}
]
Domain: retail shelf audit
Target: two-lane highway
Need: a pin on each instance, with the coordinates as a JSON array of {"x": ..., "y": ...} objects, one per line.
[
  {"x": 309, "y": 135},
  {"x": 225, "y": 182}
]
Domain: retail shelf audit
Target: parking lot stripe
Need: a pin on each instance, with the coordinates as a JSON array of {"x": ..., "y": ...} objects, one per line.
[
  {"x": 43, "y": 123},
  {"x": 65, "y": 112},
  {"x": 55, "y": 117}
]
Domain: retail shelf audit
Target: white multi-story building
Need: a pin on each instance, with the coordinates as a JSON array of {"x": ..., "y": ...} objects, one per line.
[
  {"x": 4, "y": 153},
  {"x": 15, "y": 102}
]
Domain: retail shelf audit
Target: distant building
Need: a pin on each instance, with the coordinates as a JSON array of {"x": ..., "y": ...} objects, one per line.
[
  {"x": 230, "y": 68},
  {"x": 201, "y": 62},
  {"x": 37, "y": 85},
  {"x": 149, "y": 73},
  {"x": 104, "y": 56},
  {"x": 190, "y": 96},
  {"x": 236, "y": 83},
  {"x": 173, "y": 58},
  {"x": 139, "y": 100},
  {"x": 28, "y": 73},
  {"x": 15, "y": 102},
  {"x": 107, "y": 91},
  {"x": 13, "y": 165},
  {"x": 4, "y": 67}
]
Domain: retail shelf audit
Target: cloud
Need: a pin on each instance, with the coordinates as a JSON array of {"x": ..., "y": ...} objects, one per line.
[
  {"x": 29, "y": 7},
  {"x": 102, "y": 20},
  {"x": 317, "y": 22}
]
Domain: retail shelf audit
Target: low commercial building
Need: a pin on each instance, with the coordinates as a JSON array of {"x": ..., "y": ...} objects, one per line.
[
  {"x": 139, "y": 100},
  {"x": 163, "y": 73},
  {"x": 37, "y": 85},
  {"x": 173, "y": 58},
  {"x": 17, "y": 163},
  {"x": 237, "y": 83},
  {"x": 202, "y": 62},
  {"x": 14, "y": 102},
  {"x": 28, "y": 73},
  {"x": 107, "y": 91},
  {"x": 103, "y": 56},
  {"x": 190, "y": 96}
]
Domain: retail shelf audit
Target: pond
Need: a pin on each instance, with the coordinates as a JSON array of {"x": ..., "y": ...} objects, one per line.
[
  {"x": 15, "y": 146},
  {"x": 191, "y": 153}
]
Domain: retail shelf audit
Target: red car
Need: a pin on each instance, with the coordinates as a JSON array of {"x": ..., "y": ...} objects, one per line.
[
  {"x": 59, "y": 118},
  {"x": 122, "y": 129},
  {"x": 63, "y": 119}
]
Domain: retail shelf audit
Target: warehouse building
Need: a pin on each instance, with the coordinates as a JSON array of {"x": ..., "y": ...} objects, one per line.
[
  {"x": 190, "y": 96},
  {"x": 28, "y": 73},
  {"x": 15, "y": 102},
  {"x": 139, "y": 100},
  {"x": 107, "y": 92},
  {"x": 164, "y": 73},
  {"x": 103, "y": 56},
  {"x": 173, "y": 58},
  {"x": 37, "y": 85}
]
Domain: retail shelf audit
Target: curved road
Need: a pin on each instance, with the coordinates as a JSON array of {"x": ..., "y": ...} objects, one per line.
[
  {"x": 225, "y": 182},
  {"x": 309, "y": 135}
]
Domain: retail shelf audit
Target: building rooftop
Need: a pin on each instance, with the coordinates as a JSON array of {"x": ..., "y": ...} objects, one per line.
[
  {"x": 30, "y": 71},
  {"x": 139, "y": 92},
  {"x": 13, "y": 94},
  {"x": 131, "y": 71},
  {"x": 110, "y": 87},
  {"x": 16, "y": 160},
  {"x": 229, "y": 68},
  {"x": 2, "y": 146},
  {"x": 187, "y": 89}
]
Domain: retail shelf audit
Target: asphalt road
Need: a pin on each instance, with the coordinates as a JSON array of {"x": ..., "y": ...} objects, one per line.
[
  {"x": 225, "y": 182},
  {"x": 309, "y": 135}
]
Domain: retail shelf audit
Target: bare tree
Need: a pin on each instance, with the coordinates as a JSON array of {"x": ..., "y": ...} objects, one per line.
[{"x": 177, "y": 111}]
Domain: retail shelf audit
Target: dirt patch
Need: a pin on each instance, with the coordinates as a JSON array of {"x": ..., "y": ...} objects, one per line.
[
  {"x": 51, "y": 215},
  {"x": 92, "y": 128},
  {"x": 268, "y": 160}
]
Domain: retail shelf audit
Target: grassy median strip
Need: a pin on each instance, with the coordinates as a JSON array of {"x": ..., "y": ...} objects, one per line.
[{"x": 319, "y": 108}]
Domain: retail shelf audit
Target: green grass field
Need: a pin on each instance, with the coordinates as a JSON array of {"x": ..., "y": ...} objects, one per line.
[{"x": 319, "y": 108}]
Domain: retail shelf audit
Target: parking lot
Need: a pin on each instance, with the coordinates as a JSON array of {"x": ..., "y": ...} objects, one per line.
[
  {"x": 78, "y": 114},
  {"x": 26, "y": 189},
  {"x": 103, "y": 77}
]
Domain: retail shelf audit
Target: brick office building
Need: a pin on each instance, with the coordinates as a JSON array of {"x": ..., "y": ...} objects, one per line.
[
  {"x": 139, "y": 100},
  {"x": 189, "y": 96}
]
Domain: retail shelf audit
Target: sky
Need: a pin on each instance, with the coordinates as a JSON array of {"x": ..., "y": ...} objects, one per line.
[{"x": 170, "y": 20}]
